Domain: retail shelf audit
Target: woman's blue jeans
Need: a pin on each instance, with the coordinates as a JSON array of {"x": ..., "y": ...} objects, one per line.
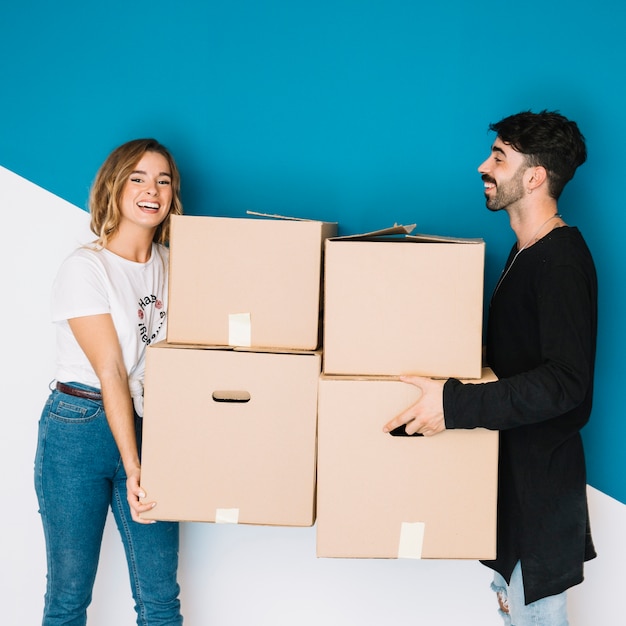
[{"x": 78, "y": 475}]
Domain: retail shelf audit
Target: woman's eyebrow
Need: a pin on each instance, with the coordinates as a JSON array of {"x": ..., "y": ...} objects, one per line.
[{"x": 146, "y": 173}]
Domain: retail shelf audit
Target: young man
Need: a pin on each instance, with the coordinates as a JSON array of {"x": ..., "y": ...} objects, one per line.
[{"x": 541, "y": 341}]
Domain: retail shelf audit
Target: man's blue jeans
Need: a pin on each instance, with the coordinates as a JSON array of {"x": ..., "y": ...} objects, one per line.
[
  {"x": 78, "y": 475},
  {"x": 550, "y": 611}
]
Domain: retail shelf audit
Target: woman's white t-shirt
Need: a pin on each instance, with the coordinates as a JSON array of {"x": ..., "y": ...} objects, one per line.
[{"x": 92, "y": 281}]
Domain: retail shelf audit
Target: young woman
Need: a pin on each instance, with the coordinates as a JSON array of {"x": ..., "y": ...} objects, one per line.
[{"x": 109, "y": 303}]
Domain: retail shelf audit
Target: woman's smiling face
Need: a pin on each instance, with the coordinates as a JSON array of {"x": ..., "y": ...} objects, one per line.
[{"x": 147, "y": 194}]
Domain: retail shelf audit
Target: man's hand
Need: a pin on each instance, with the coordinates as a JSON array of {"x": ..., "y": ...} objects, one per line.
[{"x": 425, "y": 417}]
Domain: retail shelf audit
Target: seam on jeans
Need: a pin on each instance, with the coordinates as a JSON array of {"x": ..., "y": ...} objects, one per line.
[
  {"x": 131, "y": 557},
  {"x": 43, "y": 437}
]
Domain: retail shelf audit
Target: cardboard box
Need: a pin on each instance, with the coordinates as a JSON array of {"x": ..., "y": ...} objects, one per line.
[
  {"x": 230, "y": 436},
  {"x": 382, "y": 496},
  {"x": 246, "y": 281},
  {"x": 403, "y": 305}
]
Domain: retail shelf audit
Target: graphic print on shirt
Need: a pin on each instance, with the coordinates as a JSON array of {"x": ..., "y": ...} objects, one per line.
[{"x": 146, "y": 316}]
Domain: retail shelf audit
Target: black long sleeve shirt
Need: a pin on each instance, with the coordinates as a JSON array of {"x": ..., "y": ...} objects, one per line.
[{"x": 541, "y": 343}]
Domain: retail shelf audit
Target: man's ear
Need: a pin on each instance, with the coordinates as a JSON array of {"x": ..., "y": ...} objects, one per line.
[{"x": 537, "y": 177}]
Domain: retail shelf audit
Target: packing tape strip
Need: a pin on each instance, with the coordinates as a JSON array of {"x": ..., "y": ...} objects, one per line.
[
  {"x": 239, "y": 330},
  {"x": 226, "y": 516},
  {"x": 411, "y": 540}
]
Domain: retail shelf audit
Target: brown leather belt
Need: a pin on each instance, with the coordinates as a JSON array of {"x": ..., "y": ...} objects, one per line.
[{"x": 79, "y": 393}]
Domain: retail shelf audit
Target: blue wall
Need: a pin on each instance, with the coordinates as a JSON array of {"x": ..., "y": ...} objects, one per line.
[{"x": 357, "y": 111}]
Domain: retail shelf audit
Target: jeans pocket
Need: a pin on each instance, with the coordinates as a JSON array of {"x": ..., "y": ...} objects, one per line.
[{"x": 79, "y": 411}]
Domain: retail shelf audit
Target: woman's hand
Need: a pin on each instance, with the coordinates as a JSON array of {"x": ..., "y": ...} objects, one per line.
[{"x": 134, "y": 494}]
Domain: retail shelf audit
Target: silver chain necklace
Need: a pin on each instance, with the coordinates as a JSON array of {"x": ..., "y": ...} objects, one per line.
[{"x": 508, "y": 269}]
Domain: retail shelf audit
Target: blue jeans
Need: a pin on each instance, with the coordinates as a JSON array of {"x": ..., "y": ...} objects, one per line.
[
  {"x": 78, "y": 475},
  {"x": 550, "y": 611}
]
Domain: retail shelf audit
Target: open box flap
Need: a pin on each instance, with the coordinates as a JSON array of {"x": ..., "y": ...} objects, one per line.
[
  {"x": 443, "y": 239},
  {"x": 396, "y": 229},
  {"x": 284, "y": 217}
]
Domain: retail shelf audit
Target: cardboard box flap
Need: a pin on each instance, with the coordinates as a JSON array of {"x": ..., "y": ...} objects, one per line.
[
  {"x": 284, "y": 217},
  {"x": 419, "y": 237},
  {"x": 396, "y": 229},
  {"x": 259, "y": 349},
  {"x": 406, "y": 230},
  {"x": 487, "y": 376},
  {"x": 272, "y": 350},
  {"x": 172, "y": 345}
]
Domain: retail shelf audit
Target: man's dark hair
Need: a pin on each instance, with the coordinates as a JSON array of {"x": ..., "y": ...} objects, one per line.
[{"x": 547, "y": 139}]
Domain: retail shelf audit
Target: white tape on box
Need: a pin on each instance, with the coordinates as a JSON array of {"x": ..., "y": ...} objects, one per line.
[
  {"x": 239, "y": 330},
  {"x": 411, "y": 540},
  {"x": 227, "y": 516}
]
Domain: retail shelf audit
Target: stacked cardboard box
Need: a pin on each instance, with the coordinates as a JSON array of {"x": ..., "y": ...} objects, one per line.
[
  {"x": 231, "y": 398},
  {"x": 396, "y": 304},
  {"x": 246, "y": 281},
  {"x": 400, "y": 304}
]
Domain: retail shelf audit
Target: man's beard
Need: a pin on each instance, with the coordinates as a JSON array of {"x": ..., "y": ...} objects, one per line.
[{"x": 508, "y": 192}]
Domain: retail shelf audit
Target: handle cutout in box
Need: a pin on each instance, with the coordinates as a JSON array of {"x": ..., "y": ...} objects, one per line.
[
  {"x": 234, "y": 396},
  {"x": 400, "y": 431}
]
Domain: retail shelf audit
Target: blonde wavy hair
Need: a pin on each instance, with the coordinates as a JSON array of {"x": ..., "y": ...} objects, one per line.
[{"x": 108, "y": 186}]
